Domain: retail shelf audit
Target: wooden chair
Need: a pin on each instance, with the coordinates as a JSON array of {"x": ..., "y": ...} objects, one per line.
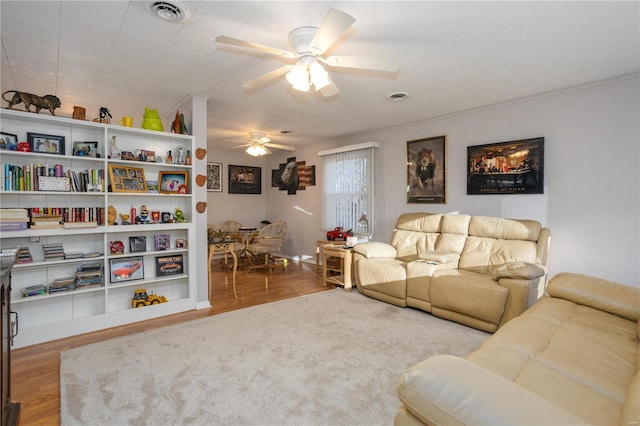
[{"x": 266, "y": 244}]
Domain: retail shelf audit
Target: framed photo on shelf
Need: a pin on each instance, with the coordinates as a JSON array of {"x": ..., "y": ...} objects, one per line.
[
  {"x": 214, "y": 177},
  {"x": 8, "y": 141},
  {"x": 162, "y": 242},
  {"x": 127, "y": 179},
  {"x": 426, "y": 170},
  {"x": 148, "y": 156},
  {"x": 514, "y": 167},
  {"x": 181, "y": 243},
  {"x": 137, "y": 244},
  {"x": 169, "y": 265},
  {"x": 85, "y": 149},
  {"x": 127, "y": 155},
  {"x": 126, "y": 269},
  {"x": 245, "y": 180},
  {"x": 173, "y": 182},
  {"x": 46, "y": 144}
]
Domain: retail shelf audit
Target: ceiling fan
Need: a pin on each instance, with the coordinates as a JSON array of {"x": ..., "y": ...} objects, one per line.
[
  {"x": 308, "y": 46},
  {"x": 259, "y": 145}
]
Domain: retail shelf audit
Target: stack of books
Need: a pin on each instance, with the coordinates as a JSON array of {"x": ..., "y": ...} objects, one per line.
[
  {"x": 34, "y": 290},
  {"x": 89, "y": 275},
  {"x": 23, "y": 255},
  {"x": 46, "y": 221},
  {"x": 53, "y": 251},
  {"x": 62, "y": 284},
  {"x": 13, "y": 219}
]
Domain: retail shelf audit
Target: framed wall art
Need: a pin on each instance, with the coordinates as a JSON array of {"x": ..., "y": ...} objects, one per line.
[
  {"x": 173, "y": 182},
  {"x": 514, "y": 167},
  {"x": 85, "y": 149},
  {"x": 137, "y": 244},
  {"x": 245, "y": 180},
  {"x": 48, "y": 144},
  {"x": 127, "y": 179},
  {"x": 8, "y": 141},
  {"x": 214, "y": 177},
  {"x": 426, "y": 170},
  {"x": 169, "y": 265},
  {"x": 126, "y": 269}
]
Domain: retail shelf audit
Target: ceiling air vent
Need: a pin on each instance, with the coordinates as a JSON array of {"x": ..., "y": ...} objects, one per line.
[
  {"x": 172, "y": 11},
  {"x": 398, "y": 96}
]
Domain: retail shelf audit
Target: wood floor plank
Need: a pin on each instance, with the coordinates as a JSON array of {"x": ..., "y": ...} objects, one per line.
[{"x": 36, "y": 369}]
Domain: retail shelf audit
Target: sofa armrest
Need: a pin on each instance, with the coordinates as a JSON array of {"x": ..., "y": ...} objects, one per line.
[
  {"x": 522, "y": 270},
  {"x": 450, "y": 390},
  {"x": 376, "y": 249}
]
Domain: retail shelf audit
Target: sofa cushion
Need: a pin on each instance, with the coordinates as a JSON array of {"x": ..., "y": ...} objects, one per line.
[
  {"x": 480, "y": 254},
  {"x": 439, "y": 256},
  {"x": 504, "y": 229},
  {"x": 383, "y": 279}
]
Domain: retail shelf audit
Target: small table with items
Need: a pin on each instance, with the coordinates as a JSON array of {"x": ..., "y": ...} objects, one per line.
[
  {"x": 225, "y": 247},
  {"x": 344, "y": 268},
  {"x": 320, "y": 244}
]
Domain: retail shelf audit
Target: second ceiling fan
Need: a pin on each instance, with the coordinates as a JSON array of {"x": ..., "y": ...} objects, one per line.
[
  {"x": 309, "y": 45},
  {"x": 259, "y": 145}
]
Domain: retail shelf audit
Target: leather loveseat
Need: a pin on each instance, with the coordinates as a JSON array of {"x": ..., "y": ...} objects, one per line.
[
  {"x": 475, "y": 270},
  {"x": 572, "y": 358}
]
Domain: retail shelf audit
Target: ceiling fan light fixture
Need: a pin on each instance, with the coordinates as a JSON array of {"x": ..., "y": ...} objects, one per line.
[
  {"x": 298, "y": 77},
  {"x": 319, "y": 76},
  {"x": 256, "y": 150}
]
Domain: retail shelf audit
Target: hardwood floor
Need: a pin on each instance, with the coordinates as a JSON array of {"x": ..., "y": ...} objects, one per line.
[{"x": 36, "y": 369}]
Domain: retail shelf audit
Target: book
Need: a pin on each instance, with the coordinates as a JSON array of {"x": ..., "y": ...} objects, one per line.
[
  {"x": 7, "y": 213},
  {"x": 68, "y": 225},
  {"x": 47, "y": 226},
  {"x": 13, "y": 226}
]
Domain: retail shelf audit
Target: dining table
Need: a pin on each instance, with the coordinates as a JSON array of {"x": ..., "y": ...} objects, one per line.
[{"x": 225, "y": 248}]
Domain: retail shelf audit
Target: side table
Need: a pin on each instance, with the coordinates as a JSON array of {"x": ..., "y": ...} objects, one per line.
[
  {"x": 345, "y": 255},
  {"x": 320, "y": 244}
]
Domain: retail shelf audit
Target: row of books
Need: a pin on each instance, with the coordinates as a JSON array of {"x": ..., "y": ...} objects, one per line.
[
  {"x": 51, "y": 217},
  {"x": 13, "y": 219},
  {"x": 27, "y": 177}
]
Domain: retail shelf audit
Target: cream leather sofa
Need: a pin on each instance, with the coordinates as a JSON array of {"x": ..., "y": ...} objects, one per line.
[
  {"x": 573, "y": 358},
  {"x": 475, "y": 270}
]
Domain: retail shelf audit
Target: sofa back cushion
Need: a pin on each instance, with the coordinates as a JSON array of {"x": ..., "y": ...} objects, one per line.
[
  {"x": 454, "y": 229},
  {"x": 415, "y": 233}
]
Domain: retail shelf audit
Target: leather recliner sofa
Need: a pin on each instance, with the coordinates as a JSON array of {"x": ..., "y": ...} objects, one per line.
[
  {"x": 572, "y": 358},
  {"x": 475, "y": 270}
]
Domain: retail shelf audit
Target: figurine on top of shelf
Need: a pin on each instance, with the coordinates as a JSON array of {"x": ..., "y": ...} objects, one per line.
[
  {"x": 104, "y": 116},
  {"x": 178, "y": 216},
  {"x": 178, "y": 125},
  {"x": 49, "y": 102},
  {"x": 151, "y": 120}
]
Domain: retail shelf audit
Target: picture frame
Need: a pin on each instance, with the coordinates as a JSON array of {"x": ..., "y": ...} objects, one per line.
[
  {"x": 214, "y": 177},
  {"x": 137, "y": 244},
  {"x": 181, "y": 243},
  {"x": 85, "y": 149},
  {"x": 513, "y": 167},
  {"x": 127, "y": 179},
  {"x": 126, "y": 269},
  {"x": 173, "y": 182},
  {"x": 148, "y": 156},
  {"x": 426, "y": 170},
  {"x": 169, "y": 265},
  {"x": 43, "y": 143},
  {"x": 127, "y": 155},
  {"x": 245, "y": 179},
  {"x": 162, "y": 242},
  {"x": 8, "y": 141}
]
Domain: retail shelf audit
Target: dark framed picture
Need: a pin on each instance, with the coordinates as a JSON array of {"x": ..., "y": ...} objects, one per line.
[
  {"x": 48, "y": 144},
  {"x": 245, "y": 180},
  {"x": 169, "y": 265},
  {"x": 8, "y": 141},
  {"x": 137, "y": 244},
  {"x": 514, "y": 167},
  {"x": 85, "y": 149},
  {"x": 214, "y": 177},
  {"x": 127, "y": 179},
  {"x": 127, "y": 155},
  {"x": 162, "y": 242},
  {"x": 426, "y": 170},
  {"x": 126, "y": 269},
  {"x": 173, "y": 182}
]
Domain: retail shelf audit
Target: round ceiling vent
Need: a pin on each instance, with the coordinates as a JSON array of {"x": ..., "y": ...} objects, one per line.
[
  {"x": 172, "y": 11},
  {"x": 398, "y": 96}
]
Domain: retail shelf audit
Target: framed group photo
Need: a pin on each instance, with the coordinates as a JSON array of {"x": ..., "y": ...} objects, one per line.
[
  {"x": 426, "y": 170},
  {"x": 8, "y": 141},
  {"x": 214, "y": 177},
  {"x": 245, "y": 180},
  {"x": 127, "y": 179},
  {"x": 85, "y": 149},
  {"x": 47, "y": 144}
]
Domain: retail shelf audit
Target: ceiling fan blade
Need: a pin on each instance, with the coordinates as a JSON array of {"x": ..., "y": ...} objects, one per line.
[
  {"x": 333, "y": 25},
  {"x": 255, "y": 46},
  {"x": 265, "y": 78},
  {"x": 278, "y": 146},
  {"x": 330, "y": 90},
  {"x": 363, "y": 62}
]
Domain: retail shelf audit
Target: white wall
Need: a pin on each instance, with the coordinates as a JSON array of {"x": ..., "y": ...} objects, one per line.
[{"x": 592, "y": 180}]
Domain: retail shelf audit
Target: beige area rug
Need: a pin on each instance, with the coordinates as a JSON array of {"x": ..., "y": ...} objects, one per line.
[{"x": 329, "y": 358}]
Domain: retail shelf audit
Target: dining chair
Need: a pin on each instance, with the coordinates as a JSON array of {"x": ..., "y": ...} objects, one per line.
[{"x": 267, "y": 242}]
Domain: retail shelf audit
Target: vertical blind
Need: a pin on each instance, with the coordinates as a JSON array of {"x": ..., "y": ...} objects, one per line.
[{"x": 348, "y": 190}]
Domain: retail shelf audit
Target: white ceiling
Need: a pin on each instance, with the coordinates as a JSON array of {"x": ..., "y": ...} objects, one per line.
[{"x": 453, "y": 56}]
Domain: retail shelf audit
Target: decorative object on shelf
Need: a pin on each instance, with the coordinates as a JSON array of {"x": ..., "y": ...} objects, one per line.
[
  {"x": 338, "y": 234},
  {"x": 79, "y": 113},
  {"x": 85, "y": 149},
  {"x": 178, "y": 216},
  {"x": 201, "y": 180},
  {"x": 426, "y": 174},
  {"x": 152, "y": 186},
  {"x": 166, "y": 217},
  {"x": 173, "y": 182},
  {"x": 126, "y": 269},
  {"x": 124, "y": 219},
  {"x": 201, "y": 153},
  {"x": 162, "y": 242},
  {"x": 127, "y": 179},
  {"x": 48, "y": 102},
  {"x": 178, "y": 125},
  {"x": 179, "y": 156},
  {"x": 144, "y": 214},
  {"x": 169, "y": 265},
  {"x": 141, "y": 298},
  {"x": 515, "y": 167},
  {"x": 151, "y": 120},
  {"x": 201, "y": 206},
  {"x": 137, "y": 244},
  {"x": 187, "y": 159},
  {"x": 214, "y": 177},
  {"x": 112, "y": 215},
  {"x": 8, "y": 141},
  {"x": 245, "y": 180},
  {"x": 126, "y": 121},
  {"x": 155, "y": 216},
  {"x": 24, "y": 147},
  {"x": 104, "y": 116},
  {"x": 181, "y": 243},
  {"x": 116, "y": 247},
  {"x": 46, "y": 144}
]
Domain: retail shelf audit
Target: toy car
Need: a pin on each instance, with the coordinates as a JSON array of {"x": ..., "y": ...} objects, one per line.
[{"x": 339, "y": 234}]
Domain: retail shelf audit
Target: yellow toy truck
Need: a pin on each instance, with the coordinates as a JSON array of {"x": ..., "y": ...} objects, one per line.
[{"x": 141, "y": 298}]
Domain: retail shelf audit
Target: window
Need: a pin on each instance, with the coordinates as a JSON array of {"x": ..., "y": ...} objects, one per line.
[{"x": 348, "y": 190}]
